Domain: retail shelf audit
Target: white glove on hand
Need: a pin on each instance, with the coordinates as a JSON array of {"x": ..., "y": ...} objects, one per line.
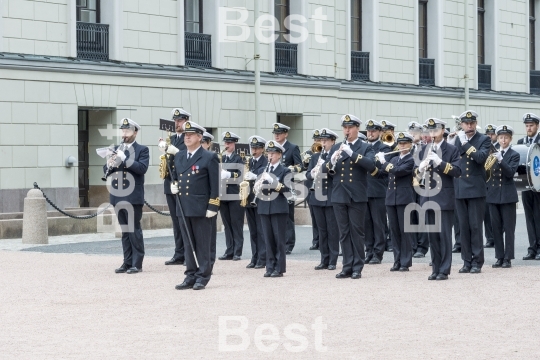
[
  {"x": 250, "y": 176},
  {"x": 498, "y": 155},
  {"x": 174, "y": 188},
  {"x": 210, "y": 213},
  {"x": 320, "y": 162},
  {"x": 266, "y": 176},
  {"x": 225, "y": 174},
  {"x": 435, "y": 158},
  {"x": 292, "y": 168},
  {"x": 335, "y": 157},
  {"x": 423, "y": 165},
  {"x": 462, "y": 137},
  {"x": 306, "y": 158},
  {"x": 381, "y": 157},
  {"x": 347, "y": 149},
  {"x": 162, "y": 145},
  {"x": 314, "y": 172},
  {"x": 120, "y": 155},
  {"x": 172, "y": 150}
]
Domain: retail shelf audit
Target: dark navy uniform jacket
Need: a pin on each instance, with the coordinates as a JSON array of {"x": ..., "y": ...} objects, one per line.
[
  {"x": 443, "y": 184},
  {"x": 178, "y": 141},
  {"x": 198, "y": 182},
  {"x": 501, "y": 186},
  {"x": 255, "y": 167},
  {"x": 235, "y": 172},
  {"x": 472, "y": 182},
  {"x": 349, "y": 184},
  {"x": 524, "y": 140},
  {"x": 291, "y": 156},
  {"x": 378, "y": 183},
  {"x": 400, "y": 177},
  {"x": 136, "y": 164},
  {"x": 322, "y": 184},
  {"x": 279, "y": 205}
]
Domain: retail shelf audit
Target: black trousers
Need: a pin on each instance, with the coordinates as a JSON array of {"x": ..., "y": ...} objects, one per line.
[
  {"x": 314, "y": 225},
  {"x": 420, "y": 240},
  {"x": 291, "y": 234},
  {"x": 178, "y": 242},
  {"x": 531, "y": 205},
  {"x": 328, "y": 234},
  {"x": 351, "y": 235},
  {"x": 200, "y": 229},
  {"x": 401, "y": 240},
  {"x": 275, "y": 242},
  {"x": 256, "y": 235},
  {"x": 375, "y": 225},
  {"x": 457, "y": 233},
  {"x": 471, "y": 214},
  {"x": 232, "y": 215},
  {"x": 132, "y": 242},
  {"x": 387, "y": 234},
  {"x": 487, "y": 226},
  {"x": 441, "y": 242},
  {"x": 213, "y": 244},
  {"x": 503, "y": 219}
]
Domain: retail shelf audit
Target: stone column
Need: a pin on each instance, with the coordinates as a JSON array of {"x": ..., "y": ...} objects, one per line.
[{"x": 35, "y": 228}]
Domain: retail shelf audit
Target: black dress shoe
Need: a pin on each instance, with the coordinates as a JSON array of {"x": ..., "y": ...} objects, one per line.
[
  {"x": 403, "y": 268},
  {"x": 321, "y": 267},
  {"x": 331, "y": 267},
  {"x": 288, "y": 252},
  {"x": 390, "y": 249},
  {"x": 183, "y": 286},
  {"x": 506, "y": 264},
  {"x": 340, "y": 254},
  {"x": 236, "y": 258},
  {"x": 537, "y": 257},
  {"x": 267, "y": 274},
  {"x": 342, "y": 275},
  {"x": 456, "y": 250},
  {"x": 356, "y": 275},
  {"x": 465, "y": 269},
  {"x": 368, "y": 258},
  {"x": 430, "y": 263},
  {"x": 432, "y": 276},
  {"x": 250, "y": 266},
  {"x": 174, "y": 261},
  {"x": 489, "y": 244},
  {"x": 419, "y": 254},
  {"x": 395, "y": 267},
  {"x": 276, "y": 274},
  {"x": 442, "y": 277},
  {"x": 199, "y": 286},
  {"x": 259, "y": 266},
  {"x": 314, "y": 247},
  {"x": 225, "y": 257},
  {"x": 497, "y": 264},
  {"x": 122, "y": 269},
  {"x": 529, "y": 256},
  {"x": 476, "y": 270},
  {"x": 375, "y": 261},
  {"x": 133, "y": 270}
]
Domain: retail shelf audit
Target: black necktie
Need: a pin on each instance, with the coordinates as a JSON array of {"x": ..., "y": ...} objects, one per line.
[
  {"x": 188, "y": 156},
  {"x": 350, "y": 144},
  {"x": 271, "y": 168},
  {"x": 530, "y": 141},
  {"x": 324, "y": 156},
  {"x": 502, "y": 153}
]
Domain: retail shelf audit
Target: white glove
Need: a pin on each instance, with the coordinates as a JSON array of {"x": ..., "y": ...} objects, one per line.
[
  {"x": 347, "y": 149},
  {"x": 306, "y": 158},
  {"x": 435, "y": 158},
  {"x": 292, "y": 168},
  {"x": 314, "y": 171},
  {"x": 174, "y": 188},
  {"x": 320, "y": 162},
  {"x": 172, "y": 150},
  {"x": 162, "y": 145},
  {"x": 210, "y": 213},
  {"x": 266, "y": 176},
  {"x": 498, "y": 155},
  {"x": 462, "y": 137},
  {"x": 250, "y": 176},
  {"x": 423, "y": 165},
  {"x": 225, "y": 174},
  {"x": 381, "y": 157},
  {"x": 121, "y": 155}
]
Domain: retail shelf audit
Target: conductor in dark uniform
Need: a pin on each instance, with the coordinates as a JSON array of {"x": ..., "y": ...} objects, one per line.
[
  {"x": 273, "y": 208},
  {"x": 232, "y": 214},
  {"x": 531, "y": 199},
  {"x": 489, "y": 130},
  {"x": 376, "y": 191},
  {"x": 502, "y": 197},
  {"x": 257, "y": 162},
  {"x": 290, "y": 159},
  {"x": 197, "y": 171},
  {"x": 470, "y": 190},
  {"x": 180, "y": 116},
  {"x": 349, "y": 164},
  {"x": 128, "y": 169},
  {"x": 440, "y": 165}
]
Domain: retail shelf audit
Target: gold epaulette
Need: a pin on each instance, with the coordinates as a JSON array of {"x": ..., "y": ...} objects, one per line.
[
  {"x": 471, "y": 150},
  {"x": 389, "y": 167},
  {"x": 448, "y": 168},
  {"x": 214, "y": 201}
]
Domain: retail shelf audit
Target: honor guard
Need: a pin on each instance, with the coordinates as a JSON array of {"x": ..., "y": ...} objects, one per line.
[
  {"x": 502, "y": 197},
  {"x": 257, "y": 162},
  {"x": 349, "y": 164},
  {"x": 530, "y": 198},
  {"x": 127, "y": 168},
  {"x": 292, "y": 160},
  {"x": 180, "y": 116},
  {"x": 470, "y": 190},
  {"x": 197, "y": 188},
  {"x": 320, "y": 200},
  {"x": 489, "y": 130},
  {"x": 439, "y": 168},
  {"x": 206, "y": 144},
  {"x": 400, "y": 194},
  {"x": 273, "y": 208},
  {"x": 232, "y": 214},
  {"x": 376, "y": 191},
  {"x": 308, "y": 183}
]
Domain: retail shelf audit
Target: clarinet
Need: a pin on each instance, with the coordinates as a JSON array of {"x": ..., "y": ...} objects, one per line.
[
  {"x": 110, "y": 167},
  {"x": 332, "y": 170},
  {"x": 257, "y": 186}
]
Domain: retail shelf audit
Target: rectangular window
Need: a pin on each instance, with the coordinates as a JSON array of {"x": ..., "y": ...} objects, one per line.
[
  {"x": 422, "y": 29},
  {"x": 282, "y": 11},
  {"x": 481, "y": 32},
  {"x": 356, "y": 25},
  {"x": 88, "y": 11},
  {"x": 193, "y": 12},
  {"x": 532, "y": 37}
]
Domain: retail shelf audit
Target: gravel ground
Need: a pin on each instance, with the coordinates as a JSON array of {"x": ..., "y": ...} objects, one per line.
[{"x": 74, "y": 306}]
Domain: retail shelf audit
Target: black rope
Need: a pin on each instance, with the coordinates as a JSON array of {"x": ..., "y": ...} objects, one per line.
[{"x": 156, "y": 210}]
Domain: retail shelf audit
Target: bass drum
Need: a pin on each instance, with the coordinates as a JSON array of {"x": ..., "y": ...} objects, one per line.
[
  {"x": 533, "y": 167},
  {"x": 520, "y": 177}
]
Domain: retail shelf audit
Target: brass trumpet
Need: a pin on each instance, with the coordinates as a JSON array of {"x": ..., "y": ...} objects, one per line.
[
  {"x": 315, "y": 148},
  {"x": 388, "y": 138}
]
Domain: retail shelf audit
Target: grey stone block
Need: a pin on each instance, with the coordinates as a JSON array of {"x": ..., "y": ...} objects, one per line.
[{"x": 35, "y": 227}]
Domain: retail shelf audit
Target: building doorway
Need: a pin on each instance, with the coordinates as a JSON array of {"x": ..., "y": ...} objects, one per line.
[{"x": 84, "y": 163}]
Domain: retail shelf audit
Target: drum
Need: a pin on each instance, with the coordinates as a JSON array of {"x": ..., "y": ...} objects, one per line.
[
  {"x": 533, "y": 167},
  {"x": 520, "y": 177}
]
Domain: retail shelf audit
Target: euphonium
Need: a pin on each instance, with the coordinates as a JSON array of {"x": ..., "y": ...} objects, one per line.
[
  {"x": 244, "y": 185},
  {"x": 163, "y": 169}
]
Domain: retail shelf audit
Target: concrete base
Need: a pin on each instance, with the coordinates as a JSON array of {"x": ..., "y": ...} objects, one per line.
[{"x": 35, "y": 219}]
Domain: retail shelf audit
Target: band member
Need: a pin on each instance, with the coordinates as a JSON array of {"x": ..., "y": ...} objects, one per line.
[
  {"x": 440, "y": 166},
  {"x": 321, "y": 202},
  {"x": 470, "y": 190},
  {"x": 376, "y": 191},
  {"x": 206, "y": 144},
  {"x": 258, "y": 247},
  {"x": 197, "y": 188},
  {"x": 415, "y": 129},
  {"x": 308, "y": 183},
  {"x": 400, "y": 193},
  {"x": 232, "y": 214},
  {"x": 348, "y": 164},
  {"x": 273, "y": 208},
  {"x": 180, "y": 116},
  {"x": 531, "y": 199},
  {"x": 425, "y": 135},
  {"x": 292, "y": 160},
  {"x": 207, "y": 140},
  {"x": 128, "y": 168},
  {"x": 502, "y": 197},
  {"x": 489, "y": 130},
  {"x": 389, "y": 127},
  {"x": 362, "y": 137}
]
